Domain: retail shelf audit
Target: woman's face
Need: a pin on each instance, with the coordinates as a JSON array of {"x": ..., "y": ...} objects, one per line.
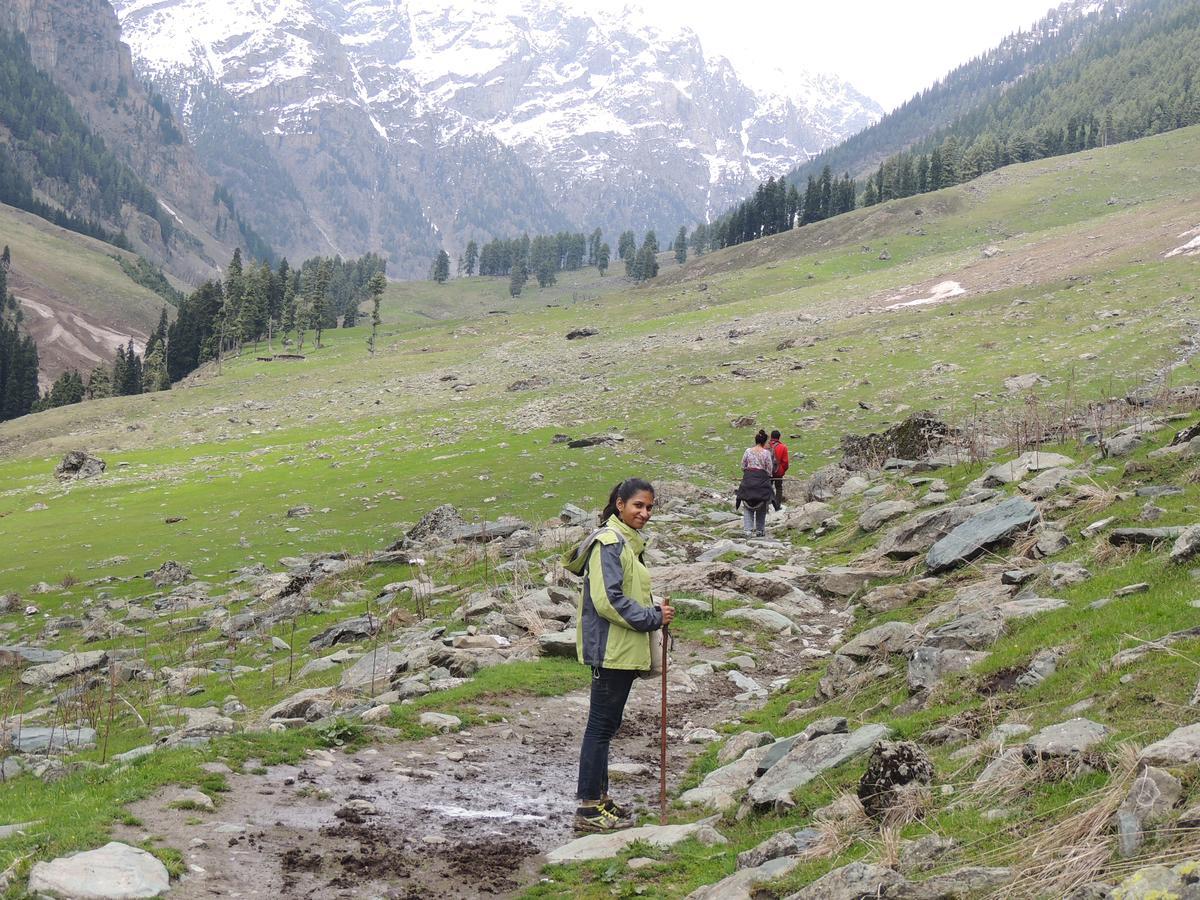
[{"x": 635, "y": 512}]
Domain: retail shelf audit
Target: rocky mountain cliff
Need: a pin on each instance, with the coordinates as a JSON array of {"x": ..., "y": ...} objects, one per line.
[
  {"x": 409, "y": 126},
  {"x": 77, "y": 43}
]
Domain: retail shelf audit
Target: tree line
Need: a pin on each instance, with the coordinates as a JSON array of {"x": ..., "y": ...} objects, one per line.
[
  {"x": 256, "y": 302},
  {"x": 542, "y": 257},
  {"x": 18, "y": 354}
]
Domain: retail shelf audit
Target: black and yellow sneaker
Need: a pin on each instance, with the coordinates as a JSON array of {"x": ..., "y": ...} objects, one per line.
[
  {"x": 616, "y": 808},
  {"x": 597, "y": 818}
]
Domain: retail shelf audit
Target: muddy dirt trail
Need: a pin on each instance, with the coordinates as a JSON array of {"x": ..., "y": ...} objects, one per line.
[{"x": 464, "y": 814}]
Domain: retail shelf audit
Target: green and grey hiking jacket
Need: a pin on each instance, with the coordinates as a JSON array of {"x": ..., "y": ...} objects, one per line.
[{"x": 615, "y": 613}]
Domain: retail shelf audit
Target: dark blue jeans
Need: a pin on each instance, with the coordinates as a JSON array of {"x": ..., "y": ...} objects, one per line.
[{"x": 610, "y": 690}]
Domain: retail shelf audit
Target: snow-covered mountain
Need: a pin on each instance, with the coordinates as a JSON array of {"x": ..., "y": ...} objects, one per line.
[{"x": 408, "y": 125}]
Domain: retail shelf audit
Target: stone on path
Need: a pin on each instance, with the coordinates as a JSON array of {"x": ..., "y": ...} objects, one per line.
[
  {"x": 606, "y": 846},
  {"x": 558, "y": 643},
  {"x": 113, "y": 872},
  {"x": 737, "y": 745},
  {"x": 192, "y": 799},
  {"x": 443, "y": 722},
  {"x": 763, "y": 618},
  {"x": 981, "y": 531}
]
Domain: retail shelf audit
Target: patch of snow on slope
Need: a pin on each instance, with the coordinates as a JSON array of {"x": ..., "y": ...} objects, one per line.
[{"x": 939, "y": 293}]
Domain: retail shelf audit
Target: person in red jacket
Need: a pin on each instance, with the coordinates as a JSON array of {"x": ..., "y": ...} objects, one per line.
[{"x": 779, "y": 449}]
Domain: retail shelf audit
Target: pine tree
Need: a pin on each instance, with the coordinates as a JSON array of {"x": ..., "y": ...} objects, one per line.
[
  {"x": 681, "y": 245},
  {"x": 377, "y": 285},
  {"x": 6, "y": 259},
  {"x": 516, "y": 282},
  {"x": 471, "y": 258},
  {"x": 440, "y": 270},
  {"x": 320, "y": 297},
  {"x": 626, "y": 245},
  {"x": 99, "y": 383}
]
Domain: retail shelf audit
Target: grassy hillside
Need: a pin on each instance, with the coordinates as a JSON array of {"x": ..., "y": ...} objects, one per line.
[{"x": 1063, "y": 276}]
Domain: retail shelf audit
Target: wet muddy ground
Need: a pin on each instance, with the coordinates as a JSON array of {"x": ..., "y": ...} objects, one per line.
[{"x": 465, "y": 814}]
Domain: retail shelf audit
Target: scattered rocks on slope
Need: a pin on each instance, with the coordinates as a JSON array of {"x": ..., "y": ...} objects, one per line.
[
  {"x": 1179, "y": 748},
  {"x": 918, "y": 436},
  {"x": 577, "y": 333},
  {"x": 1151, "y": 798}
]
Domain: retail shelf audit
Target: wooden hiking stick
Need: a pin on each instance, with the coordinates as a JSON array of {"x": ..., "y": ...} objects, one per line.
[{"x": 662, "y": 758}]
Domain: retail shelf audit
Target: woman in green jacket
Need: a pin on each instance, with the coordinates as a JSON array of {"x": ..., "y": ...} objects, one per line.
[{"x": 615, "y": 617}]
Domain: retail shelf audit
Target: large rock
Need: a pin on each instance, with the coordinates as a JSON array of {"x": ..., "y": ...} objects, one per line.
[
  {"x": 853, "y": 882},
  {"x": 440, "y": 522},
  {"x": 887, "y": 597},
  {"x": 929, "y": 665},
  {"x": 844, "y": 581},
  {"x": 807, "y": 760},
  {"x": 345, "y": 632},
  {"x": 893, "y": 766},
  {"x": 170, "y": 572},
  {"x": 918, "y": 436},
  {"x": 730, "y": 582},
  {"x": 374, "y": 670},
  {"x": 38, "y": 739},
  {"x": 114, "y": 872},
  {"x": 719, "y": 788},
  {"x": 558, "y": 643},
  {"x": 19, "y": 656},
  {"x": 1151, "y": 798},
  {"x": 875, "y": 517},
  {"x": 311, "y": 705},
  {"x": 743, "y": 884},
  {"x": 1066, "y": 739},
  {"x": 606, "y": 846},
  {"x": 916, "y": 535},
  {"x": 1015, "y": 470},
  {"x": 735, "y": 748},
  {"x": 1145, "y": 537},
  {"x": 763, "y": 618},
  {"x": 981, "y": 531},
  {"x": 878, "y": 642},
  {"x": 79, "y": 464},
  {"x": 1187, "y": 544},
  {"x": 1179, "y": 748},
  {"x": 975, "y": 631},
  {"x": 68, "y": 665}
]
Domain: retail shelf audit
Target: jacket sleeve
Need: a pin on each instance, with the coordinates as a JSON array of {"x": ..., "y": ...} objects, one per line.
[{"x": 605, "y": 578}]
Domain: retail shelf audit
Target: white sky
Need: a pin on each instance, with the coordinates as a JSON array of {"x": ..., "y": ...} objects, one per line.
[{"x": 887, "y": 49}]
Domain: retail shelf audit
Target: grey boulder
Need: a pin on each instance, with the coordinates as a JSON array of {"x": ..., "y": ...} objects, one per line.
[
  {"x": 113, "y": 872},
  {"x": 980, "y": 532}
]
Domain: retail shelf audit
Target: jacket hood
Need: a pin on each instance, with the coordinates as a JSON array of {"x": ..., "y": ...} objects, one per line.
[{"x": 575, "y": 559}]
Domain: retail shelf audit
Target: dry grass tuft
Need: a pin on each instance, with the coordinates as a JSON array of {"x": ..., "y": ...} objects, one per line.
[
  {"x": 842, "y": 823},
  {"x": 1107, "y": 554},
  {"x": 1054, "y": 860},
  {"x": 910, "y": 803}
]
